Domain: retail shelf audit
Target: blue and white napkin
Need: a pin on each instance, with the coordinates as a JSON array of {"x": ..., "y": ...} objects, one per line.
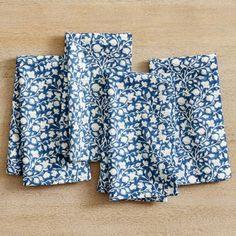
[
  {"x": 139, "y": 129},
  {"x": 87, "y": 56},
  {"x": 202, "y": 153},
  {"x": 36, "y": 124}
]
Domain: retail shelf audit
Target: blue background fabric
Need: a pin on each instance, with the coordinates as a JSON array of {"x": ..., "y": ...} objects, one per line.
[
  {"x": 138, "y": 154},
  {"x": 35, "y": 139},
  {"x": 201, "y": 148},
  {"x": 88, "y": 55}
]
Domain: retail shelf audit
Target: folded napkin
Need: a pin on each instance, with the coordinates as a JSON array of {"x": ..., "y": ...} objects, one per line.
[
  {"x": 138, "y": 154},
  {"x": 88, "y": 55},
  {"x": 202, "y": 153},
  {"x": 34, "y": 144}
]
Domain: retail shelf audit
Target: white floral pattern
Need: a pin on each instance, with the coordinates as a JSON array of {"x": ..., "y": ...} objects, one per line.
[
  {"x": 88, "y": 55},
  {"x": 202, "y": 153},
  {"x": 137, "y": 162},
  {"x": 36, "y": 124}
]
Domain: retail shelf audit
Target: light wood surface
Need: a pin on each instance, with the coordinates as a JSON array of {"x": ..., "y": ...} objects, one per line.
[{"x": 160, "y": 29}]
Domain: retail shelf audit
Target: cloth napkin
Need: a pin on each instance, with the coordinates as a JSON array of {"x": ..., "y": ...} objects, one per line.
[
  {"x": 202, "y": 153},
  {"x": 138, "y": 156},
  {"x": 36, "y": 124},
  {"x": 88, "y": 55}
]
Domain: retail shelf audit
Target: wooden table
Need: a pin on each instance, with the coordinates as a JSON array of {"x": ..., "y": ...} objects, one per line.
[{"x": 160, "y": 29}]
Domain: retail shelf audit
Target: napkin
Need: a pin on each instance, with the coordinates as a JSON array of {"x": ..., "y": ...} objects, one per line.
[
  {"x": 87, "y": 56},
  {"x": 202, "y": 153},
  {"x": 139, "y": 127},
  {"x": 35, "y": 139}
]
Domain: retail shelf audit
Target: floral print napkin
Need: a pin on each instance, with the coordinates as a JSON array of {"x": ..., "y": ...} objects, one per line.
[
  {"x": 138, "y": 155},
  {"x": 202, "y": 153},
  {"x": 35, "y": 124},
  {"x": 88, "y": 55}
]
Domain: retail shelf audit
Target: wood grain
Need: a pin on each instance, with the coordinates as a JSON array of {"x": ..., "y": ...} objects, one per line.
[{"x": 160, "y": 29}]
